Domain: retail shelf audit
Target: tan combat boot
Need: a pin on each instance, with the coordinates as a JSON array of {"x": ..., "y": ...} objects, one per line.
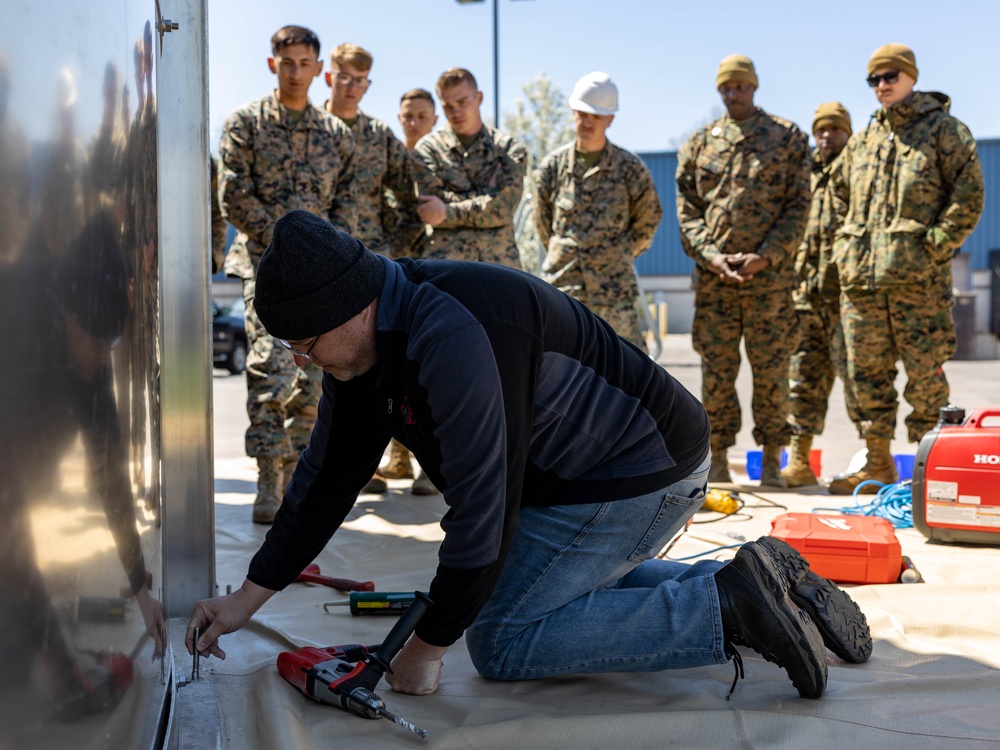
[
  {"x": 268, "y": 499},
  {"x": 423, "y": 485},
  {"x": 399, "y": 466},
  {"x": 718, "y": 470},
  {"x": 879, "y": 467},
  {"x": 288, "y": 465},
  {"x": 770, "y": 469},
  {"x": 376, "y": 485},
  {"x": 799, "y": 473}
]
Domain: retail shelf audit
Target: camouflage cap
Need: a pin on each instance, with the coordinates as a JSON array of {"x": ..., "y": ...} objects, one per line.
[
  {"x": 832, "y": 114},
  {"x": 894, "y": 57},
  {"x": 736, "y": 68}
]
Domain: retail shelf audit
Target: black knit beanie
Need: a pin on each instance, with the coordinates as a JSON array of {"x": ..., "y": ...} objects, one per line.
[{"x": 313, "y": 277}]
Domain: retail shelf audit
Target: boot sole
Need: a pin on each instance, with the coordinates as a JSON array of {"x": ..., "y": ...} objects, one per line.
[
  {"x": 797, "y": 626},
  {"x": 837, "y": 616}
]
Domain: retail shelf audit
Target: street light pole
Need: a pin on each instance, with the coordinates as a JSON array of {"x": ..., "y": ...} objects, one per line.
[
  {"x": 496, "y": 57},
  {"x": 496, "y": 64}
]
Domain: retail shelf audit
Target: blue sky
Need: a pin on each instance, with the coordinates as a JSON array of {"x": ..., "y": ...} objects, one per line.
[{"x": 662, "y": 54}]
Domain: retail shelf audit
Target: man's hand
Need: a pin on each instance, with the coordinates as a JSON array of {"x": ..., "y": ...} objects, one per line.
[
  {"x": 416, "y": 670},
  {"x": 223, "y": 614},
  {"x": 721, "y": 267},
  {"x": 152, "y": 616},
  {"x": 746, "y": 265},
  {"x": 432, "y": 210}
]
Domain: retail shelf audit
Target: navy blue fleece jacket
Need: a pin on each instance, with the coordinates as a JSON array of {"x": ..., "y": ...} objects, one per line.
[{"x": 510, "y": 394}]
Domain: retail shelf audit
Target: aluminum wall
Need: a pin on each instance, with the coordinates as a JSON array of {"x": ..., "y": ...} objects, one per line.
[
  {"x": 667, "y": 258},
  {"x": 94, "y": 391}
]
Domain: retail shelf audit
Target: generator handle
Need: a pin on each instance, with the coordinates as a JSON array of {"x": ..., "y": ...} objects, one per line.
[{"x": 979, "y": 416}]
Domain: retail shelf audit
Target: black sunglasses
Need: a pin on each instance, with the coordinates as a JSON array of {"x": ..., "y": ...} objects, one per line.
[{"x": 890, "y": 77}]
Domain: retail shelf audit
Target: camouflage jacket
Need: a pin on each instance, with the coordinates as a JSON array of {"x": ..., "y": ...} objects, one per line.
[
  {"x": 594, "y": 222},
  {"x": 744, "y": 188},
  {"x": 912, "y": 189},
  {"x": 481, "y": 186},
  {"x": 271, "y": 165},
  {"x": 813, "y": 265},
  {"x": 219, "y": 225},
  {"x": 382, "y": 163}
]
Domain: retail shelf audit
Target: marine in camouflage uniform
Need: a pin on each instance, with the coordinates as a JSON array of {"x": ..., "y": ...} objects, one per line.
[
  {"x": 742, "y": 205},
  {"x": 382, "y": 163},
  {"x": 819, "y": 356},
  {"x": 478, "y": 176},
  {"x": 274, "y": 160},
  {"x": 383, "y": 168},
  {"x": 271, "y": 165},
  {"x": 596, "y": 211},
  {"x": 417, "y": 118},
  {"x": 219, "y": 224},
  {"x": 912, "y": 185}
]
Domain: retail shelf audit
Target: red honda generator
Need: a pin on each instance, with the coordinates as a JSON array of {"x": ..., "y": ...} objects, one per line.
[{"x": 956, "y": 478}]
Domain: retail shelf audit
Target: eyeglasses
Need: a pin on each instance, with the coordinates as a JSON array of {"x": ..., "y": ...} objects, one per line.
[
  {"x": 307, "y": 354},
  {"x": 889, "y": 77},
  {"x": 345, "y": 79}
]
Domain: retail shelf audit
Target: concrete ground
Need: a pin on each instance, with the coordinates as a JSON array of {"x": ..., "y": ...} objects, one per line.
[{"x": 931, "y": 682}]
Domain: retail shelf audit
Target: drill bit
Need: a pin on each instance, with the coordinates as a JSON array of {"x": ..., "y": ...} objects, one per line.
[
  {"x": 403, "y": 722},
  {"x": 195, "y": 667}
]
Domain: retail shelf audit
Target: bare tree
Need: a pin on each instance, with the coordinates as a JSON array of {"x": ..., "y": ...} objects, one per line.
[{"x": 541, "y": 121}]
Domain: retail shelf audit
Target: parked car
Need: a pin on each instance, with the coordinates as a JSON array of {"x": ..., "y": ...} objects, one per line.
[{"x": 229, "y": 336}]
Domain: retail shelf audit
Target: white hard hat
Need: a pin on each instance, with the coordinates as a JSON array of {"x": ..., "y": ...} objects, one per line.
[{"x": 595, "y": 93}]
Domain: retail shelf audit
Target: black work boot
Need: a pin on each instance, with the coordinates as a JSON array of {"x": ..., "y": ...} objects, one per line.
[
  {"x": 757, "y": 612},
  {"x": 837, "y": 616}
]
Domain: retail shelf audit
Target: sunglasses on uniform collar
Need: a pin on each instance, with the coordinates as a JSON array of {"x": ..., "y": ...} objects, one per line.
[{"x": 889, "y": 77}]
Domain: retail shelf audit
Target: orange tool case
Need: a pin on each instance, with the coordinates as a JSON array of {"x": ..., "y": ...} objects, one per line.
[{"x": 846, "y": 549}]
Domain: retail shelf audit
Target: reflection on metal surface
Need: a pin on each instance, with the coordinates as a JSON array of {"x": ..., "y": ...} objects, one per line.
[{"x": 81, "y": 624}]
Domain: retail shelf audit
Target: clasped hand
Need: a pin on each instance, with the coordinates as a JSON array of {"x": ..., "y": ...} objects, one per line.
[{"x": 737, "y": 268}]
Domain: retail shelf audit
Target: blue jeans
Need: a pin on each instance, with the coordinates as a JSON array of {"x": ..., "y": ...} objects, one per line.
[{"x": 579, "y": 592}]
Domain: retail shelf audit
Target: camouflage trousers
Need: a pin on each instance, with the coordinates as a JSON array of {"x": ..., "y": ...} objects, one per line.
[
  {"x": 907, "y": 323},
  {"x": 282, "y": 398},
  {"x": 614, "y": 300},
  {"x": 818, "y": 359},
  {"x": 439, "y": 247},
  {"x": 766, "y": 323}
]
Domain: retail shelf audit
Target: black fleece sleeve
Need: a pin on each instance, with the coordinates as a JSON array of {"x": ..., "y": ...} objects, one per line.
[{"x": 345, "y": 448}]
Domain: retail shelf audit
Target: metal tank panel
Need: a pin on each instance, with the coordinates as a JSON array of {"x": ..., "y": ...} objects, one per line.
[{"x": 82, "y": 627}]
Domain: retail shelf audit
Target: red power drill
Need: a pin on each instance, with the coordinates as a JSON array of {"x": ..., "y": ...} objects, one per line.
[{"x": 346, "y": 676}]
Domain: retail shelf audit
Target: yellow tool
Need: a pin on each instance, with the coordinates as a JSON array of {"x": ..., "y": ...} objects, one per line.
[{"x": 721, "y": 501}]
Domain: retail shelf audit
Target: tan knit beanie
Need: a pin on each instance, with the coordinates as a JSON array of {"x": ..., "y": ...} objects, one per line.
[
  {"x": 736, "y": 68},
  {"x": 894, "y": 57},
  {"x": 832, "y": 114}
]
